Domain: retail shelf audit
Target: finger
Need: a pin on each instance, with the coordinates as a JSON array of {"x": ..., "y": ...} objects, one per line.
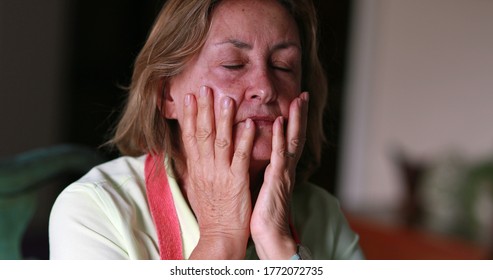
[
  {"x": 278, "y": 154},
  {"x": 205, "y": 132},
  {"x": 296, "y": 129},
  {"x": 224, "y": 131},
  {"x": 243, "y": 150},
  {"x": 189, "y": 126}
]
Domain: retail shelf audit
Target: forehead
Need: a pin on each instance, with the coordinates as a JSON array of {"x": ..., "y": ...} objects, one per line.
[{"x": 253, "y": 20}]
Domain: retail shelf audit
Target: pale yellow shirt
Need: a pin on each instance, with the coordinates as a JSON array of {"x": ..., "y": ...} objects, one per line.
[{"x": 105, "y": 215}]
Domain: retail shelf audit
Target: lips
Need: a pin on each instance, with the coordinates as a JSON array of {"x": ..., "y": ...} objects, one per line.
[{"x": 259, "y": 120}]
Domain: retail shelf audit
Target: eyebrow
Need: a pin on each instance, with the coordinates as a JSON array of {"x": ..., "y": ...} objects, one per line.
[
  {"x": 237, "y": 43},
  {"x": 243, "y": 45}
]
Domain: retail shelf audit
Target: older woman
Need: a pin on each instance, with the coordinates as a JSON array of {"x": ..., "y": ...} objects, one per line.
[{"x": 223, "y": 96}]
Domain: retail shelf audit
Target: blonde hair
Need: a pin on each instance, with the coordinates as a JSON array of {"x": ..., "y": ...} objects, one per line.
[{"x": 178, "y": 33}]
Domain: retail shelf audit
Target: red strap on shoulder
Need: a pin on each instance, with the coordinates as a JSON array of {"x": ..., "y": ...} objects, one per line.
[{"x": 163, "y": 209}]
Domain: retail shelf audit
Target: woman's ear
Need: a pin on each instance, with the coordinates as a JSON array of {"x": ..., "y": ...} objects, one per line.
[{"x": 165, "y": 101}]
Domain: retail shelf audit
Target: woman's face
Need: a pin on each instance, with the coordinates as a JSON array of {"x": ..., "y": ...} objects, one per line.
[{"x": 253, "y": 55}]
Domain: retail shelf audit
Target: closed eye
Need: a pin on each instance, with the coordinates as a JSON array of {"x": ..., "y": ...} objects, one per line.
[
  {"x": 281, "y": 65},
  {"x": 281, "y": 68},
  {"x": 234, "y": 66}
]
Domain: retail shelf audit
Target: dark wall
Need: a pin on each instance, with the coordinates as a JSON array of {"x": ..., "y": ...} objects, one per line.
[
  {"x": 107, "y": 36},
  {"x": 334, "y": 20}
]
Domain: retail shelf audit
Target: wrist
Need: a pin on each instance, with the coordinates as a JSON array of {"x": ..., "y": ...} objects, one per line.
[
  {"x": 219, "y": 247},
  {"x": 275, "y": 247}
]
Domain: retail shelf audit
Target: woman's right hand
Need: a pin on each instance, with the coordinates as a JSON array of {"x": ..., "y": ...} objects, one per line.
[{"x": 216, "y": 181}]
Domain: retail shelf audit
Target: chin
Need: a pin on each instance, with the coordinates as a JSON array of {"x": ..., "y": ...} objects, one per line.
[
  {"x": 262, "y": 148},
  {"x": 261, "y": 153}
]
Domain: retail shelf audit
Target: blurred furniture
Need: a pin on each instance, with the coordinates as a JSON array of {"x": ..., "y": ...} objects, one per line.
[
  {"x": 21, "y": 178},
  {"x": 446, "y": 212},
  {"x": 383, "y": 241},
  {"x": 452, "y": 195}
]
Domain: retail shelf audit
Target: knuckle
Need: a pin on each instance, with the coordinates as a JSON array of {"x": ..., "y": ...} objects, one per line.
[
  {"x": 203, "y": 134},
  {"x": 222, "y": 143},
  {"x": 241, "y": 155},
  {"x": 188, "y": 138},
  {"x": 290, "y": 155},
  {"x": 297, "y": 142},
  {"x": 282, "y": 152},
  {"x": 296, "y": 145},
  {"x": 201, "y": 103},
  {"x": 203, "y": 106}
]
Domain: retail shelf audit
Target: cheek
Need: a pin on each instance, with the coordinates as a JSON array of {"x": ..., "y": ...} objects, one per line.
[
  {"x": 284, "y": 100},
  {"x": 224, "y": 85}
]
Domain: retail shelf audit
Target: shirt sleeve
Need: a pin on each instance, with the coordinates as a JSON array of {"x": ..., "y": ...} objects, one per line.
[
  {"x": 80, "y": 227},
  {"x": 322, "y": 225}
]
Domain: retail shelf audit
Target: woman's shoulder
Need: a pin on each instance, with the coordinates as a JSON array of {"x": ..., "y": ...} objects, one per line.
[
  {"x": 117, "y": 171},
  {"x": 321, "y": 223},
  {"x": 123, "y": 175},
  {"x": 310, "y": 195},
  {"x": 114, "y": 183},
  {"x": 106, "y": 208},
  {"x": 313, "y": 205}
]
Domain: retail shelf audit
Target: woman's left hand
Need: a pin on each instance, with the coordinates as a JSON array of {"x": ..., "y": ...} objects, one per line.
[{"x": 269, "y": 224}]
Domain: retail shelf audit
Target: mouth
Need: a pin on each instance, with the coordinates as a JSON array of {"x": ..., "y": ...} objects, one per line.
[
  {"x": 260, "y": 121},
  {"x": 263, "y": 122}
]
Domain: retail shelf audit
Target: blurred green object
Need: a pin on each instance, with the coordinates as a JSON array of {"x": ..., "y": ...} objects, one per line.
[
  {"x": 477, "y": 193},
  {"x": 21, "y": 178},
  {"x": 456, "y": 196}
]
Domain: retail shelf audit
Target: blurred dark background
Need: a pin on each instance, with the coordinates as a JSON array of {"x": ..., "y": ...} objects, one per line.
[{"x": 64, "y": 66}]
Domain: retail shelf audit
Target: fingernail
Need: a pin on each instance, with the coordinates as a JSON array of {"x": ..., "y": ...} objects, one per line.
[
  {"x": 281, "y": 121},
  {"x": 188, "y": 98},
  {"x": 303, "y": 98},
  {"x": 226, "y": 102},
  {"x": 248, "y": 123},
  {"x": 203, "y": 91}
]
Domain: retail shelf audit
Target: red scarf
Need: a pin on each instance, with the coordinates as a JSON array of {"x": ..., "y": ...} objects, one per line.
[{"x": 163, "y": 210}]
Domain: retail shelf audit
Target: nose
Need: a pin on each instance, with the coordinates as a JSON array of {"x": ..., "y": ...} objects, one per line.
[{"x": 262, "y": 87}]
